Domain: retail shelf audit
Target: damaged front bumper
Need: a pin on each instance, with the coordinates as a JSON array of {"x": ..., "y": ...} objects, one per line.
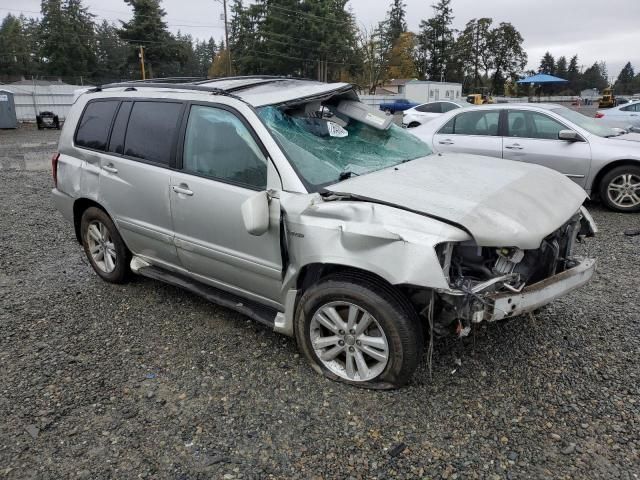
[
  {"x": 507, "y": 304},
  {"x": 491, "y": 305}
]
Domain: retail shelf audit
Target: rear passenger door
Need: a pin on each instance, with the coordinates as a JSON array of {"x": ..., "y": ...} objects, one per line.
[
  {"x": 474, "y": 131},
  {"x": 135, "y": 175},
  {"x": 223, "y": 164},
  {"x": 532, "y": 137}
]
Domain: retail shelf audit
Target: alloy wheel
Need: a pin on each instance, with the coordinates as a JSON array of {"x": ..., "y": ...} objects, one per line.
[
  {"x": 624, "y": 190},
  {"x": 101, "y": 246},
  {"x": 349, "y": 341}
]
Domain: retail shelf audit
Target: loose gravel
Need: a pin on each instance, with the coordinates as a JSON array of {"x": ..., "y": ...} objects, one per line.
[{"x": 148, "y": 381}]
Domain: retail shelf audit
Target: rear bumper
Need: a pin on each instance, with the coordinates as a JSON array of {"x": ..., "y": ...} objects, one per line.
[
  {"x": 64, "y": 203},
  {"x": 504, "y": 305}
]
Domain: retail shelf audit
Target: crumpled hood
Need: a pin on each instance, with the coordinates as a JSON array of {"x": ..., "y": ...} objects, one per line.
[{"x": 499, "y": 202}]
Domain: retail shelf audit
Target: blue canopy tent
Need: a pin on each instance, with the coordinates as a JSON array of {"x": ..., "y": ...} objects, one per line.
[{"x": 542, "y": 79}]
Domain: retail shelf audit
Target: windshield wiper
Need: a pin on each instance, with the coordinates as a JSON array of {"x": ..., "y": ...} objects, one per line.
[{"x": 347, "y": 174}]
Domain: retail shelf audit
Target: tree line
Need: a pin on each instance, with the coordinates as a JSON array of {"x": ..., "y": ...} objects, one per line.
[{"x": 306, "y": 38}]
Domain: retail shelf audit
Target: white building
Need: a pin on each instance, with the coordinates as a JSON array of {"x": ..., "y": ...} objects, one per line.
[{"x": 428, "y": 91}]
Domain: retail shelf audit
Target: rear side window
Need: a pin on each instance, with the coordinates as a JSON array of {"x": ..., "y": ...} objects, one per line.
[
  {"x": 93, "y": 130},
  {"x": 430, "y": 108},
  {"x": 152, "y": 130},
  {"x": 448, "y": 106},
  {"x": 473, "y": 123}
]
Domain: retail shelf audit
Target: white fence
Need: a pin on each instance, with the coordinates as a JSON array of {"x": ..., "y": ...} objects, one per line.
[{"x": 32, "y": 99}]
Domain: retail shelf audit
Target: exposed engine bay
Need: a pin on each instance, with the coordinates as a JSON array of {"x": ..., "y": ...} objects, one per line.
[{"x": 474, "y": 273}]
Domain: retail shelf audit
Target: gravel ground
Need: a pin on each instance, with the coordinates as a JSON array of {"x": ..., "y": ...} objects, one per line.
[{"x": 145, "y": 380}]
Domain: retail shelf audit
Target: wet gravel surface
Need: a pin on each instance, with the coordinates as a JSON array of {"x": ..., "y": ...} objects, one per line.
[{"x": 145, "y": 380}]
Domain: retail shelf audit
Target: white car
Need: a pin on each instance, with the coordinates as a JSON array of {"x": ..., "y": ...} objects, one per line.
[
  {"x": 421, "y": 114},
  {"x": 622, "y": 116},
  {"x": 602, "y": 160}
]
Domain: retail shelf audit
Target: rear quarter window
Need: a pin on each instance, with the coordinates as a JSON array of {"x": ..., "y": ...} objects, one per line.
[{"x": 95, "y": 123}]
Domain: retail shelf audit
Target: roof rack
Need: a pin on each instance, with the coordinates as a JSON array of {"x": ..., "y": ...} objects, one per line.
[
  {"x": 168, "y": 86},
  {"x": 169, "y": 80},
  {"x": 252, "y": 77}
]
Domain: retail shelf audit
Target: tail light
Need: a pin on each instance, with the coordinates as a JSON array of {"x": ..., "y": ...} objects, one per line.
[
  {"x": 599, "y": 115},
  {"x": 54, "y": 168}
]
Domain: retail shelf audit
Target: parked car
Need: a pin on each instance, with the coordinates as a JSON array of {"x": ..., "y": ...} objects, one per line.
[
  {"x": 295, "y": 204},
  {"x": 603, "y": 161},
  {"x": 398, "y": 105},
  {"x": 425, "y": 112},
  {"x": 623, "y": 116}
]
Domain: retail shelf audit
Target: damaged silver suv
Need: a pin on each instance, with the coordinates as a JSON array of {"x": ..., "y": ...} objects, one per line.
[{"x": 292, "y": 202}]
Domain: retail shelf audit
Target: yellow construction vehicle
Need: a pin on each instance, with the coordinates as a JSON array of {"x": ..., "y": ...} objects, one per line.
[
  {"x": 479, "y": 99},
  {"x": 608, "y": 99}
]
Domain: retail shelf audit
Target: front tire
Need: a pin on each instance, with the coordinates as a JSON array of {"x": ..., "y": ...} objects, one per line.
[
  {"x": 104, "y": 247},
  {"x": 620, "y": 189},
  {"x": 359, "y": 331}
]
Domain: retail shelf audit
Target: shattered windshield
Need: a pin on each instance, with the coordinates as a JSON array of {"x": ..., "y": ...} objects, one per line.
[{"x": 327, "y": 148}]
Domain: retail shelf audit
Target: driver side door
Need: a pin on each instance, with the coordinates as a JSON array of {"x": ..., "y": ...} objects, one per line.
[{"x": 223, "y": 164}]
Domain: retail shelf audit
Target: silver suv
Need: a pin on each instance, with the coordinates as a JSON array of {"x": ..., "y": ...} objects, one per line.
[{"x": 293, "y": 203}]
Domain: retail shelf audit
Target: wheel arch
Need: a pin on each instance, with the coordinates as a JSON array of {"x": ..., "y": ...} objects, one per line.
[
  {"x": 595, "y": 185},
  {"x": 79, "y": 207},
  {"x": 312, "y": 273}
]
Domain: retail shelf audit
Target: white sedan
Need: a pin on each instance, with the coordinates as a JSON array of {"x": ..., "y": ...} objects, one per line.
[
  {"x": 425, "y": 112},
  {"x": 602, "y": 160},
  {"x": 623, "y": 116}
]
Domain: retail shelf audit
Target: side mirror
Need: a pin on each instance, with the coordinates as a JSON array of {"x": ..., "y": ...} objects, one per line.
[
  {"x": 569, "y": 135},
  {"x": 255, "y": 214}
]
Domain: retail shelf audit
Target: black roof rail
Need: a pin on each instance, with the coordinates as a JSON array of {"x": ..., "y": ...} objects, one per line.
[
  {"x": 169, "y": 80},
  {"x": 170, "y": 86},
  {"x": 253, "y": 77}
]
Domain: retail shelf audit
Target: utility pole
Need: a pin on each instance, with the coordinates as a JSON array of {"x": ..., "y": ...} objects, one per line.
[
  {"x": 226, "y": 35},
  {"x": 141, "y": 57}
]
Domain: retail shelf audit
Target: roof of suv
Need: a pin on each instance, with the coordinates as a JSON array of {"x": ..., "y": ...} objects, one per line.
[{"x": 255, "y": 90}]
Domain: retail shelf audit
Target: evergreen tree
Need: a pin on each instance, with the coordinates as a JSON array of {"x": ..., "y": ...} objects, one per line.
[
  {"x": 574, "y": 76},
  {"x": 624, "y": 83},
  {"x": 396, "y": 23},
  {"x": 67, "y": 38},
  {"x": 111, "y": 54},
  {"x": 436, "y": 39},
  {"x": 148, "y": 29},
  {"x": 547, "y": 64},
  {"x": 15, "y": 53},
  {"x": 595, "y": 77}
]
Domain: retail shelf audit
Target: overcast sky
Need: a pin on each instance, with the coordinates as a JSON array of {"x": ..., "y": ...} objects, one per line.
[{"x": 595, "y": 30}]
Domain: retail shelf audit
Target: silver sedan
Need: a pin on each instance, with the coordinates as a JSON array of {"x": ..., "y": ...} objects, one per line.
[{"x": 602, "y": 160}]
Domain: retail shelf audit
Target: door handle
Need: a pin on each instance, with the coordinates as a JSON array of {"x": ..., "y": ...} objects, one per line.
[
  {"x": 110, "y": 168},
  {"x": 515, "y": 146},
  {"x": 183, "y": 189},
  {"x": 633, "y": 115},
  {"x": 445, "y": 142}
]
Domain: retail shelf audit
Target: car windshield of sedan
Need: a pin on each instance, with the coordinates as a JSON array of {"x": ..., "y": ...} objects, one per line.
[
  {"x": 326, "y": 148},
  {"x": 589, "y": 124}
]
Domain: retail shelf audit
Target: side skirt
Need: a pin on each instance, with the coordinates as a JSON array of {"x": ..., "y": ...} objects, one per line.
[{"x": 256, "y": 311}]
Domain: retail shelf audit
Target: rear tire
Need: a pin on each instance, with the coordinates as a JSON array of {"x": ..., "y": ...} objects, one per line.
[
  {"x": 620, "y": 189},
  {"x": 104, "y": 247},
  {"x": 380, "y": 348}
]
